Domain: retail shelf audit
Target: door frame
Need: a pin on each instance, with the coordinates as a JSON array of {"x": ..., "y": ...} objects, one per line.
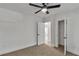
[{"x": 65, "y": 34}]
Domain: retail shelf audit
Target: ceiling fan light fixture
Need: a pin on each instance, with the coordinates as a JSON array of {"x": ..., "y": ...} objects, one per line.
[{"x": 44, "y": 10}]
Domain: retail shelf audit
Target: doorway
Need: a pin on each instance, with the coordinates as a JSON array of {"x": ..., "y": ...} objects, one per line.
[
  {"x": 61, "y": 35},
  {"x": 44, "y": 33},
  {"x": 48, "y": 33}
]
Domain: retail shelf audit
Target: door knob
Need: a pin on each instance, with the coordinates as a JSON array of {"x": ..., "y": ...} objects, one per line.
[
  {"x": 38, "y": 34},
  {"x": 65, "y": 37}
]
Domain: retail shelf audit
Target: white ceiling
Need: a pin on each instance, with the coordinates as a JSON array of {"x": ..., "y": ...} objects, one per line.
[{"x": 24, "y": 8}]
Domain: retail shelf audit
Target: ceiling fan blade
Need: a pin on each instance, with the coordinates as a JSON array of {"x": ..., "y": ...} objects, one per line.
[
  {"x": 47, "y": 12},
  {"x": 34, "y": 5},
  {"x": 37, "y": 11},
  {"x": 55, "y": 6}
]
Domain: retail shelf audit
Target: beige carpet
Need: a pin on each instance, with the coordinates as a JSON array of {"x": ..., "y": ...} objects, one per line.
[{"x": 41, "y": 50}]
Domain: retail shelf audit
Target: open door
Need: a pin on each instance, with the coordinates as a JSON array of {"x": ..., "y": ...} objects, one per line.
[
  {"x": 63, "y": 33},
  {"x": 65, "y": 36},
  {"x": 40, "y": 33}
]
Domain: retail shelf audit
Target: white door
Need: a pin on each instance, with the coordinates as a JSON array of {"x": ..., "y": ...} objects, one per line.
[
  {"x": 65, "y": 36},
  {"x": 41, "y": 32}
]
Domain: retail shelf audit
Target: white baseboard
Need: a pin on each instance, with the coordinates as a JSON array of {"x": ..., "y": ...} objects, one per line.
[
  {"x": 18, "y": 48},
  {"x": 73, "y": 52}
]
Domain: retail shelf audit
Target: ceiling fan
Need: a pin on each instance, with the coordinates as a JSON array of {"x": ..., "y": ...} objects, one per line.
[{"x": 44, "y": 7}]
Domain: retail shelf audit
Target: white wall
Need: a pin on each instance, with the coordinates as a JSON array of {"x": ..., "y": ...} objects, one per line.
[
  {"x": 17, "y": 30},
  {"x": 72, "y": 29}
]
